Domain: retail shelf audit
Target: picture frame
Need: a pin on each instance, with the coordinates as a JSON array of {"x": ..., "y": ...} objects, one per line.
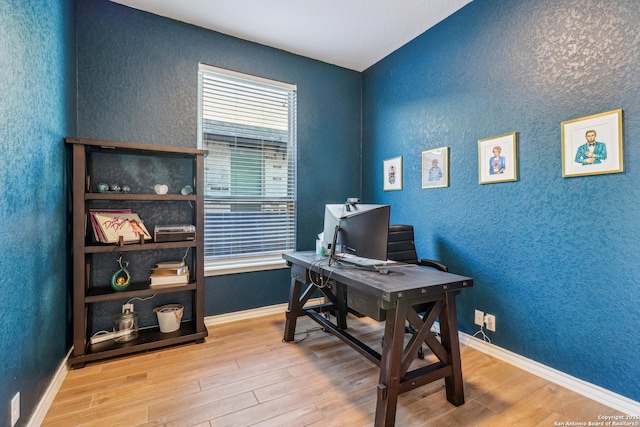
[
  {"x": 392, "y": 173},
  {"x": 606, "y": 156},
  {"x": 435, "y": 168},
  {"x": 498, "y": 159}
]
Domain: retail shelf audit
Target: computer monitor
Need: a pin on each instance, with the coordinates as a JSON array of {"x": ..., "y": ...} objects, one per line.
[{"x": 357, "y": 229}]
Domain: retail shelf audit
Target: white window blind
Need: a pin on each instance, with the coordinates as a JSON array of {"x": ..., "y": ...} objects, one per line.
[{"x": 248, "y": 124}]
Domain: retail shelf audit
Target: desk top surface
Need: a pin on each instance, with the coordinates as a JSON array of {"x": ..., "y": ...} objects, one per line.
[{"x": 406, "y": 280}]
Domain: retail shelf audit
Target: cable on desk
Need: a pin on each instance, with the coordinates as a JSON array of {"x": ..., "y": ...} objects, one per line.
[{"x": 324, "y": 282}]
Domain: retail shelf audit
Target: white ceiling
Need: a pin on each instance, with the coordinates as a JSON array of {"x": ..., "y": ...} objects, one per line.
[{"x": 354, "y": 34}]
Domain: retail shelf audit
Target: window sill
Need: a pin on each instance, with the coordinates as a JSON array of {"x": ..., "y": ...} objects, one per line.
[{"x": 244, "y": 266}]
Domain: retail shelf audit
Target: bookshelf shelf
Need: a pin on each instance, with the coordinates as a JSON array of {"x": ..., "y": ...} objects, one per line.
[
  {"x": 139, "y": 197},
  {"x": 143, "y": 165},
  {"x": 148, "y": 339},
  {"x": 94, "y": 248},
  {"x": 140, "y": 290}
]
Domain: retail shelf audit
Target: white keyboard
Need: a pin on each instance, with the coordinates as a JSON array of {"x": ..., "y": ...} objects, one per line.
[{"x": 364, "y": 262}]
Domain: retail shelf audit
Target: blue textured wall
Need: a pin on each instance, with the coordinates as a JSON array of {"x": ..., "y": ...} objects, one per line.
[
  {"x": 36, "y": 113},
  {"x": 556, "y": 260},
  {"x": 137, "y": 81}
]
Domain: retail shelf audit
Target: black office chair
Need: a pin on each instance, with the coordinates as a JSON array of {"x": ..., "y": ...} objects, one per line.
[{"x": 401, "y": 247}]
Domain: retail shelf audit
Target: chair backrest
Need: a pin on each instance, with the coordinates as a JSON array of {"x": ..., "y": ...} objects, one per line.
[{"x": 401, "y": 245}]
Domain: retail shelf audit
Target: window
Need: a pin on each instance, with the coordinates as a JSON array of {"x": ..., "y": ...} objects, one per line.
[{"x": 248, "y": 124}]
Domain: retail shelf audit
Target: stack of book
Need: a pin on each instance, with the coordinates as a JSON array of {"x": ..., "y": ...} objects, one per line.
[
  {"x": 110, "y": 225},
  {"x": 169, "y": 273}
]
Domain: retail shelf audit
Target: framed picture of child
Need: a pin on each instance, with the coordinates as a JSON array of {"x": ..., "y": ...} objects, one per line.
[
  {"x": 435, "y": 168},
  {"x": 498, "y": 159},
  {"x": 392, "y": 172}
]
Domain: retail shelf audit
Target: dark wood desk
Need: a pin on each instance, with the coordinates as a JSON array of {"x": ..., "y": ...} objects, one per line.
[{"x": 397, "y": 298}]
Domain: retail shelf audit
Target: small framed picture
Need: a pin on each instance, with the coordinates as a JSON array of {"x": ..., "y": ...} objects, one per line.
[
  {"x": 592, "y": 145},
  {"x": 498, "y": 159},
  {"x": 435, "y": 168},
  {"x": 392, "y": 174}
]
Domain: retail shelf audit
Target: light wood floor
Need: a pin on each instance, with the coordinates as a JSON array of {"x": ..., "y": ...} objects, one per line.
[{"x": 244, "y": 375}]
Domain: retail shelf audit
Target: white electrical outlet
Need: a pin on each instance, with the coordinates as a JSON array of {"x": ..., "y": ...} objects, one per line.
[
  {"x": 479, "y": 320},
  {"x": 15, "y": 409},
  {"x": 490, "y": 319}
]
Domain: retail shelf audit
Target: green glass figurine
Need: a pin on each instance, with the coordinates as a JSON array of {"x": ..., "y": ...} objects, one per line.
[{"x": 121, "y": 278}]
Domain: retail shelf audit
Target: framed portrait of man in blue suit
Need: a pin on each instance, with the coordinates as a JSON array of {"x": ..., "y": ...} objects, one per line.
[{"x": 592, "y": 145}]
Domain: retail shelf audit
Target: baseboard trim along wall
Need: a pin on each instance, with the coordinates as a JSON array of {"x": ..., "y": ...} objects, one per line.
[
  {"x": 253, "y": 313},
  {"x": 592, "y": 391},
  {"x": 54, "y": 386}
]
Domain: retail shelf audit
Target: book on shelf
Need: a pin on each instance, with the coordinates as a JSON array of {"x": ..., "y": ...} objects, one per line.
[
  {"x": 97, "y": 233},
  {"x": 168, "y": 275},
  {"x": 167, "y": 285},
  {"x": 170, "y": 264},
  {"x": 169, "y": 270},
  {"x": 113, "y": 225},
  {"x": 168, "y": 279}
]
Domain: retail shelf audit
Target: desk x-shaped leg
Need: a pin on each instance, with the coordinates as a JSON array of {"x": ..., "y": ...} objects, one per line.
[
  {"x": 297, "y": 300},
  {"x": 395, "y": 377},
  {"x": 395, "y": 359}
]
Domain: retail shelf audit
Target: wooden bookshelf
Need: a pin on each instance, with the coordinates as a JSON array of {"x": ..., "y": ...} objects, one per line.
[{"x": 86, "y": 154}]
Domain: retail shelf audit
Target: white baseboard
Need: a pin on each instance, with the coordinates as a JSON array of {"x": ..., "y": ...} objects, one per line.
[
  {"x": 253, "y": 313},
  {"x": 592, "y": 391},
  {"x": 47, "y": 399},
  {"x": 45, "y": 402}
]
